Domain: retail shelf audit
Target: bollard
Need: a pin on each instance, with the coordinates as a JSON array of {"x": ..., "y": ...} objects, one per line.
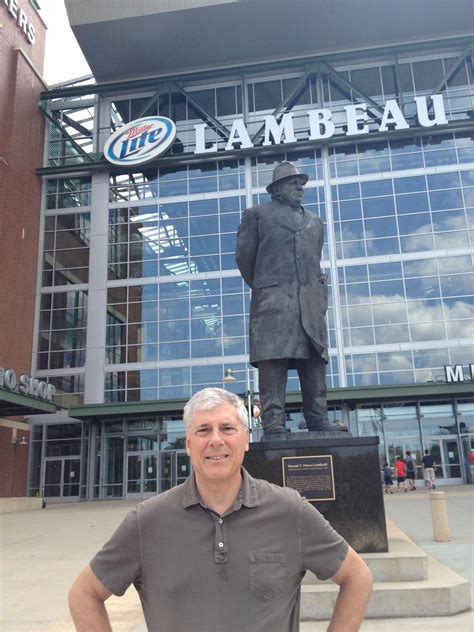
[{"x": 439, "y": 516}]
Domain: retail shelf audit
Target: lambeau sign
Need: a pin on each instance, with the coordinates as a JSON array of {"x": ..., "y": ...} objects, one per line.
[{"x": 322, "y": 127}]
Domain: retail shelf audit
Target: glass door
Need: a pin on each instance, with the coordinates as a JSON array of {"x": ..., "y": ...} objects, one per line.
[
  {"x": 62, "y": 478},
  {"x": 175, "y": 468},
  {"x": 447, "y": 457},
  {"x": 141, "y": 474}
]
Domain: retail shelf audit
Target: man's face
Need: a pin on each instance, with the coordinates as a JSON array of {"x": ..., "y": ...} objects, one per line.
[
  {"x": 217, "y": 442},
  {"x": 291, "y": 190}
]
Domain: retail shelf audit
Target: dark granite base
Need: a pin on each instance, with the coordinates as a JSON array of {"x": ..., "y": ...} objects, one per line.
[{"x": 357, "y": 512}]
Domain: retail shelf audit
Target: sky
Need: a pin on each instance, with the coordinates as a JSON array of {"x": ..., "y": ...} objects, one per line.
[{"x": 63, "y": 58}]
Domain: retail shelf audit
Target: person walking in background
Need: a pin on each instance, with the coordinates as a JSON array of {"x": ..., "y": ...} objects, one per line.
[
  {"x": 429, "y": 469},
  {"x": 387, "y": 478},
  {"x": 411, "y": 470},
  {"x": 400, "y": 473}
]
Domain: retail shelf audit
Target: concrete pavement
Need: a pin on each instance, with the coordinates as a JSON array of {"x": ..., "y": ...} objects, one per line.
[{"x": 42, "y": 551}]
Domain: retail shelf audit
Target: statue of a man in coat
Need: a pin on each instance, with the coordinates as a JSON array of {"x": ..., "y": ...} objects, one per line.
[{"x": 279, "y": 248}]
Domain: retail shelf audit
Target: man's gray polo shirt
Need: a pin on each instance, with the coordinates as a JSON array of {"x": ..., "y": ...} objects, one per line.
[{"x": 198, "y": 572}]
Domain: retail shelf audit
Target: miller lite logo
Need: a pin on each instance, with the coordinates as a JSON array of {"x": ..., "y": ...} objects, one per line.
[{"x": 140, "y": 141}]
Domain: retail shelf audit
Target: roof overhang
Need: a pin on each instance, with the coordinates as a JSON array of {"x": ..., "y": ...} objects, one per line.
[
  {"x": 368, "y": 394},
  {"x": 122, "y": 39},
  {"x": 14, "y": 404}
]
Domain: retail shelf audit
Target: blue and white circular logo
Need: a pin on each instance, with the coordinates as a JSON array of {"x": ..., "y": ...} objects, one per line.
[{"x": 140, "y": 141}]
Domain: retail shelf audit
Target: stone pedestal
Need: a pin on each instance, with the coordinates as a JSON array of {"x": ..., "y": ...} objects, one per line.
[{"x": 357, "y": 511}]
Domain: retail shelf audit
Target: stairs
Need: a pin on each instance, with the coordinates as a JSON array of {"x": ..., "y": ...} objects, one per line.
[{"x": 407, "y": 583}]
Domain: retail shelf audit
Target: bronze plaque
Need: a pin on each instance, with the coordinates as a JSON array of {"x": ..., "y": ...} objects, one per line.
[{"x": 311, "y": 476}]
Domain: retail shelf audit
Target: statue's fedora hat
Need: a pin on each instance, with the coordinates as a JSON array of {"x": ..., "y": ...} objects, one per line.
[{"x": 283, "y": 171}]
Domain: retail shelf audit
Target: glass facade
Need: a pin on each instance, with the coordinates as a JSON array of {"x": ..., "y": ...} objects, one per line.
[{"x": 165, "y": 312}]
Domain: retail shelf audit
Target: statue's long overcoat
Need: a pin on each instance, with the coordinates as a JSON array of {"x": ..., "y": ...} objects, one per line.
[{"x": 278, "y": 255}]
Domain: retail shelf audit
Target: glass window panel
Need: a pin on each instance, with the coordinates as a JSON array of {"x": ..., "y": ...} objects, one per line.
[
  {"x": 407, "y": 161},
  {"x": 381, "y": 271},
  {"x": 350, "y": 210},
  {"x": 358, "y": 293},
  {"x": 267, "y": 95},
  {"x": 387, "y": 246},
  {"x": 427, "y": 287},
  {"x": 351, "y": 231},
  {"x": 385, "y": 227},
  {"x": 457, "y": 285},
  {"x": 434, "y": 158},
  {"x": 412, "y": 203},
  {"x": 359, "y": 316},
  {"x": 178, "y": 308},
  {"x": 367, "y": 80},
  {"x": 389, "y": 313},
  {"x": 441, "y": 200},
  {"x": 174, "y": 351},
  {"x": 409, "y": 185},
  {"x": 355, "y": 274},
  {"x": 414, "y": 224},
  {"x": 424, "y": 311},
  {"x": 427, "y": 74},
  {"x": 203, "y": 225},
  {"x": 443, "y": 181},
  {"x": 204, "y": 245},
  {"x": 204, "y": 207},
  {"x": 422, "y": 267},
  {"x": 390, "y": 334},
  {"x": 376, "y": 207}
]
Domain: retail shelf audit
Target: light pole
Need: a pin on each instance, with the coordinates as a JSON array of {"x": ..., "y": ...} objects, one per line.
[{"x": 229, "y": 378}]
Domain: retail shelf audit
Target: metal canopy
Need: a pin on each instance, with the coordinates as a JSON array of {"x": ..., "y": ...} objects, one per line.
[
  {"x": 121, "y": 39},
  {"x": 366, "y": 394},
  {"x": 17, "y": 405}
]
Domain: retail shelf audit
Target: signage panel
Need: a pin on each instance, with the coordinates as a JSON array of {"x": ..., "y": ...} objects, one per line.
[
  {"x": 26, "y": 385},
  {"x": 140, "y": 141},
  {"x": 311, "y": 476},
  {"x": 21, "y": 19}
]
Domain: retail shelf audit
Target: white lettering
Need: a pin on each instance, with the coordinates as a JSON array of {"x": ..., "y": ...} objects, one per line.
[
  {"x": 51, "y": 392},
  {"x": 392, "y": 115},
  {"x": 320, "y": 124},
  {"x": 21, "y": 18},
  {"x": 31, "y": 35},
  {"x": 354, "y": 118},
  {"x": 22, "y": 21},
  {"x": 13, "y": 8},
  {"x": 24, "y": 383},
  {"x": 238, "y": 134},
  {"x": 34, "y": 386},
  {"x": 9, "y": 379},
  {"x": 276, "y": 130},
  {"x": 439, "y": 114},
  {"x": 454, "y": 374},
  {"x": 201, "y": 140}
]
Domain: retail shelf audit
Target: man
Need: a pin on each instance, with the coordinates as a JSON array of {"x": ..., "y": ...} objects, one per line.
[
  {"x": 223, "y": 551},
  {"x": 429, "y": 468},
  {"x": 401, "y": 473},
  {"x": 411, "y": 470},
  {"x": 279, "y": 248}
]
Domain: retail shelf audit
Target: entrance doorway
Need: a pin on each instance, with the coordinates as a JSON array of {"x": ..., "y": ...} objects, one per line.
[
  {"x": 62, "y": 478},
  {"x": 446, "y": 454},
  {"x": 175, "y": 467},
  {"x": 141, "y": 475}
]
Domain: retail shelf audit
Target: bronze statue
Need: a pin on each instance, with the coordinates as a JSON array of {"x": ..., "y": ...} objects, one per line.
[{"x": 279, "y": 247}]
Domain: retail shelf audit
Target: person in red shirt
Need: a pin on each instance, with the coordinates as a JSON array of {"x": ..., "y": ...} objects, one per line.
[{"x": 400, "y": 473}]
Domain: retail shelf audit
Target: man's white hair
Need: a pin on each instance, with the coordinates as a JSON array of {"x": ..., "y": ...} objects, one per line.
[{"x": 210, "y": 398}]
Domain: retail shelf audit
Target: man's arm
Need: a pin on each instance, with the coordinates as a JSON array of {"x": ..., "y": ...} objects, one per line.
[
  {"x": 86, "y": 603},
  {"x": 355, "y": 580}
]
